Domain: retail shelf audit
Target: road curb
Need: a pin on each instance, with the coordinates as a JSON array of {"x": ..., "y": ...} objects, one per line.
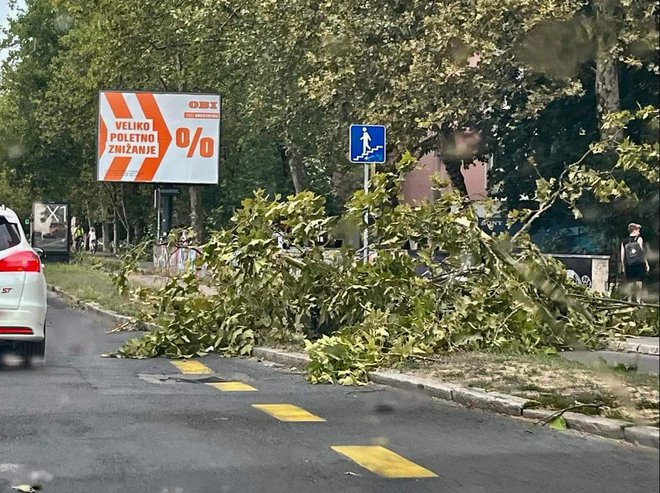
[
  {"x": 597, "y": 425},
  {"x": 299, "y": 360},
  {"x": 428, "y": 386},
  {"x": 488, "y": 401},
  {"x": 647, "y": 436}
]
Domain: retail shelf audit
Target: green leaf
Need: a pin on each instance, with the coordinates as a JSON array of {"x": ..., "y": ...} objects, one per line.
[{"x": 558, "y": 423}]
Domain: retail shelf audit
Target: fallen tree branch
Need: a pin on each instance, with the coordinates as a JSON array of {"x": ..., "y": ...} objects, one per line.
[
  {"x": 561, "y": 412},
  {"x": 614, "y": 301},
  {"x": 180, "y": 246},
  {"x": 425, "y": 358},
  {"x": 119, "y": 328},
  {"x": 130, "y": 326},
  {"x": 533, "y": 216},
  {"x": 454, "y": 274}
]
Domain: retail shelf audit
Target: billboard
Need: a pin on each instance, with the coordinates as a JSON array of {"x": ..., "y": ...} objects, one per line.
[
  {"x": 149, "y": 137},
  {"x": 50, "y": 227}
]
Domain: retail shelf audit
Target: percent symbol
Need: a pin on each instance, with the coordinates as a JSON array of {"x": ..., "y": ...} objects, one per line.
[{"x": 205, "y": 145}]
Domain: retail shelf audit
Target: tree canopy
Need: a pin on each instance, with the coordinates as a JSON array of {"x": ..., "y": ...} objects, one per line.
[{"x": 532, "y": 79}]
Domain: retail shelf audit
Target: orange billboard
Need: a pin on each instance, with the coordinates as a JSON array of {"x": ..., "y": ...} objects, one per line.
[{"x": 150, "y": 137}]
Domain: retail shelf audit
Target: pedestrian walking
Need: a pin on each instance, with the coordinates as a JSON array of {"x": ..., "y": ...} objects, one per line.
[
  {"x": 633, "y": 262},
  {"x": 92, "y": 240}
]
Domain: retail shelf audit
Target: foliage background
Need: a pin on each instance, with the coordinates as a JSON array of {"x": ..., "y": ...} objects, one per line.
[{"x": 294, "y": 73}]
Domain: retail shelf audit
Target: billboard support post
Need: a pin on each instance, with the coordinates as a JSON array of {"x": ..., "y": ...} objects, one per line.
[{"x": 164, "y": 203}]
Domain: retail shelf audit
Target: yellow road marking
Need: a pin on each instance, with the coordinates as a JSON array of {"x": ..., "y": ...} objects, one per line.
[
  {"x": 191, "y": 367},
  {"x": 384, "y": 462},
  {"x": 233, "y": 387},
  {"x": 287, "y": 412}
]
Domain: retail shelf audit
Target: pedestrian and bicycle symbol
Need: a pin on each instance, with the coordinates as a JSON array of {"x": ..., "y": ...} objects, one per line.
[{"x": 368, "y": 144}]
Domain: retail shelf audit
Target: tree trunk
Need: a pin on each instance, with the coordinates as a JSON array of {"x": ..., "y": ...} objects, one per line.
[
  {"x": 196, "y": 213},
  {"x": 115, "y": 232},
  {"x": 105, "y": 234},
  {"x": 125, "y": 222},
  {"x": 88, "y": 213},
  {"x": 607, "y": 66},
  {"x": 137, "y": 232},
  {"x": 284, "y": 161},
  {"x": 457, "y": 180},
  {"x": 127, "y": 228},
  {"x": 296, "y": 167}
]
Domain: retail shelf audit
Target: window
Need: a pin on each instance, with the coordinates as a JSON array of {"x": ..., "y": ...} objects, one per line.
[{"x": 9, "y": 235}]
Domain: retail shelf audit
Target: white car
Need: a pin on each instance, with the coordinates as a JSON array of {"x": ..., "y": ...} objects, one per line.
[{"x": 22, "y": 291}]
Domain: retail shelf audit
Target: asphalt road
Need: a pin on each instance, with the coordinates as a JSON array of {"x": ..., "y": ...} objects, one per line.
[{"x": 82, "y": 423}]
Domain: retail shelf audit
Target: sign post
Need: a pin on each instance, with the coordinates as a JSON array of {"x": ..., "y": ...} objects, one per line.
[
  {"x": 365, "y": 233},
  {"x": 367, "y": 145}
]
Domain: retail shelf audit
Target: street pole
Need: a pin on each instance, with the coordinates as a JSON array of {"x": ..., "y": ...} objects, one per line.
[
  {"x": 167, "y": 215},
  {"x": 365, "y": 235},
  {"x": 367, "y": 144},
  {"x": 159, "y": 213},
  {"x": 165, "y": 200}
]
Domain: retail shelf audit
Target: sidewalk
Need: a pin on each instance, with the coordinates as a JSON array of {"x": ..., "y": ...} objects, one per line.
[
  {"x": 642, "y": 363},
  {"x": 155, "y": 281},
  {"x": 640, "y": 353},
  {"x": 642, "y": 345}
]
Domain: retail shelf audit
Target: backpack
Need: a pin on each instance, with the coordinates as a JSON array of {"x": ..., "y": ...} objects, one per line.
[{"x": 633, "y": 252}]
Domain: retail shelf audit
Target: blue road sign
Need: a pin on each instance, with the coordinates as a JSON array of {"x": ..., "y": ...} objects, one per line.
[{"x": 368, "y": 144}]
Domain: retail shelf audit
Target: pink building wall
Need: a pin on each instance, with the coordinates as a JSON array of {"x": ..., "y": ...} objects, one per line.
[
  {"x": 476, "y": 180},
  {"x": 418, "y": 185}
]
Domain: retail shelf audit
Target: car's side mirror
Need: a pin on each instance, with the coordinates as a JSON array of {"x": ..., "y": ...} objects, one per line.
[{"x": 39, "y": 251}]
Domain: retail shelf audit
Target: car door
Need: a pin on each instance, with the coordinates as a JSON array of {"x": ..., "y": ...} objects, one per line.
[{"x": 12, "y": 276}]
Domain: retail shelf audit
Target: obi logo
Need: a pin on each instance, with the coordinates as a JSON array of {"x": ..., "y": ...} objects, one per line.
[
  {"x": 6, "y": 290},
  {"x": 203, "y": 105}
]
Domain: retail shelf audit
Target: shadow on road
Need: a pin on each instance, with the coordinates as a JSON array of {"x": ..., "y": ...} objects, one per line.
[{"x": 12, "y": 360}]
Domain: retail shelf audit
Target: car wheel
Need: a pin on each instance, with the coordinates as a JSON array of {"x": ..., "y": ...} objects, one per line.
[
  {"x": 39, "y": 350},
  {"x": 27, "y": 354},
  {"x": 34, "y": 352}
]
